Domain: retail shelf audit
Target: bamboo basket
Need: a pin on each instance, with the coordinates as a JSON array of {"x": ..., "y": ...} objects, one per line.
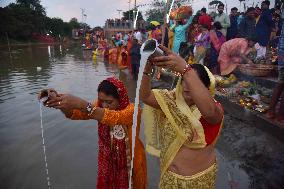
[{"x": 258, "y": 70}]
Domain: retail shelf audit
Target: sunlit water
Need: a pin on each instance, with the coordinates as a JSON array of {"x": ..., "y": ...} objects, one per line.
[{"x": 71, "y": 147}]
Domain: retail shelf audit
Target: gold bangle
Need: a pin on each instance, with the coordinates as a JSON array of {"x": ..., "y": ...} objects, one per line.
[
  {"x": 148, "y": 74},
  {"x": 93, "y": 110},
  {"x": 186, "y": 69}
]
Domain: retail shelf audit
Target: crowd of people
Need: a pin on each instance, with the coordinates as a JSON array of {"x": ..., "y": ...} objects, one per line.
[
  {"x": 181, "y": 125},
  {"x": 217, "y": 40}
]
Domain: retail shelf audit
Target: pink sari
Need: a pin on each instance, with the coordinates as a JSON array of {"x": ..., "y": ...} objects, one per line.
[{"x": 229, "y": 56}]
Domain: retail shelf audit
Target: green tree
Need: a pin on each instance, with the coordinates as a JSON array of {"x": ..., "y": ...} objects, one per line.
[
  {"x": 36, "y": 13},
  {"x": 55, "y": 26},
  {"x": 130, "y": 14},
  {"x": 21, "y": 19},
  {"x": 74, "y": 24},
  {"x": 156, "y": 12},
  {"x": 19, "y": 22}
]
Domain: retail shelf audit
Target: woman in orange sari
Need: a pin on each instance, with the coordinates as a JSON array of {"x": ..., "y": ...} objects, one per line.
[
  {"x": 114, "y": 113},
  {"x": 113, "y": 55},
  {"x": 122, "y": 58}
]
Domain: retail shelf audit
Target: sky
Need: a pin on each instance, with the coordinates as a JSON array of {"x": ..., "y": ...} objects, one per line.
[{"x": 98, "y": 11}]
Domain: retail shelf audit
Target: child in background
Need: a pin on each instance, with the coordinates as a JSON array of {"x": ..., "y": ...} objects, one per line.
[
  {"x": 113, "y": 55},
  {"x": 124, "y": 55},
  {"x": 202, "y": 43},
  {"x": 95, "y": 54}
]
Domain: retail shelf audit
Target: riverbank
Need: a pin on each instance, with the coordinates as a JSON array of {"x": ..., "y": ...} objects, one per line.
[{"x": 15, "y": 43}]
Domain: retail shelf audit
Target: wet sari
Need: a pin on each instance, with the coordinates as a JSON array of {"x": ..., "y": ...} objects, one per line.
[
  {"x": 113, "y": 55},
  {"x": 122, "y": 59},
  {"x": 114, "y": 156}
]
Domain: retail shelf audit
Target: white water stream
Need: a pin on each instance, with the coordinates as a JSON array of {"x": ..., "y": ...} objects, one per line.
[
  {"x": 43, "y": 144},
  {"x": 144, "y": 57}
]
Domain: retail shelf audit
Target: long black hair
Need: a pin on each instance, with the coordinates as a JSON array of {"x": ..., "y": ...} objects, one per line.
[
  {"x": 217, "y": 25},
  {"x": 202, "y": 73},
  {"x": 108, "y": 88}
]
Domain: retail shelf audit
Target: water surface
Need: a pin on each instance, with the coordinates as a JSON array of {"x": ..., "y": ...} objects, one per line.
[{"x": 71, "y": 146}]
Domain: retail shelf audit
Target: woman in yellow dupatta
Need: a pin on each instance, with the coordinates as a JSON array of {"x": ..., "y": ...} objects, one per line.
[{"x": 181, "y": 126}]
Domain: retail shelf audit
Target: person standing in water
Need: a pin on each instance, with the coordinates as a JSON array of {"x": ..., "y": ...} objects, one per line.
[
  {"x": 182, "y": 125},
  {"x": 114, "y": 113},
  {"x": 135, "y": 58}
]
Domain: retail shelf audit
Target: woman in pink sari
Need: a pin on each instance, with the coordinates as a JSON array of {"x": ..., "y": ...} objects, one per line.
[{"x": 233, "y": 53}]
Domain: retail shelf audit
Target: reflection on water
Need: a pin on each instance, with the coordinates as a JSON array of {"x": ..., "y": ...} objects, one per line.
[{"x": 71, "y": 145}]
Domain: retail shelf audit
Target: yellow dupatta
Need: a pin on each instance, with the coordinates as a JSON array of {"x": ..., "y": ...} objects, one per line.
[{"x": 176, "y": 124}]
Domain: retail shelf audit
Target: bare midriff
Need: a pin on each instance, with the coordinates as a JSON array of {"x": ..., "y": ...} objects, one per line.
[{"x": 188, "y": 161}]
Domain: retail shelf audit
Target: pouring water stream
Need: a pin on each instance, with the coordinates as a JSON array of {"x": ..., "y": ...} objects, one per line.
[
  {"x": 149, "y": 47},
  {"x": 43, "y": 143}
]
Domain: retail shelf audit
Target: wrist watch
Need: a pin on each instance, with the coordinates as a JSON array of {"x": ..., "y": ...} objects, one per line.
[{"x": 89, "y": 107}]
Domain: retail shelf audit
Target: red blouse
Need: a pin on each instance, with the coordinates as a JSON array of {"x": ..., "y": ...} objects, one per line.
[{"x": 211, "y": 131}]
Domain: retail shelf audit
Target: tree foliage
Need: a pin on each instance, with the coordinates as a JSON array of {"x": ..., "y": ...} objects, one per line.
[
  {"x": 156, "y": 12},
  {"x": 22, "y": 19},
  {"x": 130, "y": 14}
]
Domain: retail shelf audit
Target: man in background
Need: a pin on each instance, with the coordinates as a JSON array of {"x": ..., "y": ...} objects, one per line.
[
  {"x": 279, "y": 88},
  {"x": 223, "y": 18},
  {"x": 233, "y": 29},
  {"x": 135, "y": 58},
  {"x": 138, "y": 36},
  {"x": 247, "y": 25},
  {"x": 263, "y": 29}
]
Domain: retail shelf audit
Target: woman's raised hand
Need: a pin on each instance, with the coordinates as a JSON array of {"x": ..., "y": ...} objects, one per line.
[
  {"x": 172, "y": 61},
  {"x": 66, "y": 102},
  {"x": 50, "y": 93}
]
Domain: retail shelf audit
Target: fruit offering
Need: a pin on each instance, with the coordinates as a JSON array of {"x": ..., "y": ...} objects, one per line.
[
  {"x": 225, "y": 81},
  {"x": 245, "y": 84},
  {"x": 248, "y": 102}
]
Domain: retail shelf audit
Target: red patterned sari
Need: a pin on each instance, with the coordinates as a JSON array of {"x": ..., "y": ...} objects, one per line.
[{"x": 114, "y": 156}]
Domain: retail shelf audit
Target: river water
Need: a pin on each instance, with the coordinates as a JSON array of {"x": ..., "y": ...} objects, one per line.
[{"x": 71, "y": 146}]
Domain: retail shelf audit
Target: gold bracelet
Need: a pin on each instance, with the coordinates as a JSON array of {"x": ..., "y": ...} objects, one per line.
[
  {"x": 186, "y": 69},
  {"x": 148, "y": 74},
  {"x": 93, "y": 110}
]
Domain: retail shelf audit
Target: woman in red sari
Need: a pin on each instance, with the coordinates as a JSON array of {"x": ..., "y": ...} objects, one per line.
[{"x": 114, "y": 113}]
